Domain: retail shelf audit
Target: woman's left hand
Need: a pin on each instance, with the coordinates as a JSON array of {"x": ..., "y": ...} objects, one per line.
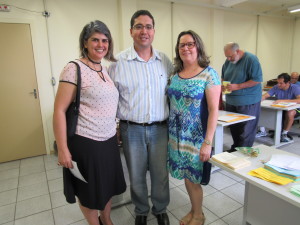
[{"x": 205, "y": 151}]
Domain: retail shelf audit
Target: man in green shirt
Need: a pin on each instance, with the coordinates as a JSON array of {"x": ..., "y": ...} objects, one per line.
[{"x": 244, "y": 72}]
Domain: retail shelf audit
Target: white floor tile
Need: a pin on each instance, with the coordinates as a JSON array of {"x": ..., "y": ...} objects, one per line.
[
  {"x": 58, "y": 199},
  {"x": 43, "y": 218},
  {"x": 218, "y": 222},
  {"x": 236, "y": 192},
  {"x": 32, "y": 191},
  {"x": 181, "y": 211},
  {"x": 81, "y": 222},
  {"x": 220, "y": 204},
  {"x": 178, "y": 198},
  {"x": 7, "y": 213},
  {"x": 234, "y": 218},
  {"x": 10, "y": 165},
  {"x": 220, "y": 181},
  {"x": 9, "y": 174},
  {"x": 8, "y": 184},
  {"x": 54, "y": 174},
  {"x": 8, "y": 197},
  {"x": 231, "y": 175},
  {"x": 33, "y": 161},
  {"x": 67, "y": 214},
  {"x": 28, "y": 170},
  {"x": 56, "y": 185},
  {"x": 32, "y": 206},
  {"x": 210, "y": 216},
  {"x": 208, "y": 190},
  {"x": 32, "y": 179},
  {"x": 10, "y": 223},
  {"x": 51, "y": 164},
  {"x": 122, "y": 216}
]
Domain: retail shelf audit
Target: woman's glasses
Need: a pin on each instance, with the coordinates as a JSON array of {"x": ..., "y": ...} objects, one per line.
[{"x": 190, "y": 45}]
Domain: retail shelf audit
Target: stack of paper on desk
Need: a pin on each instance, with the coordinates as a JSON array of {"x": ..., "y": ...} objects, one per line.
[
  {"x": 231, "y": 161},
  {"x": 267, "y": 175},
  {"x": 291, "y": 174},
  {"x": 285, "y": 166},
  {"x": 285, "y": 161},
  {"x": 295, "y": 189},
  {"x": 231, "y": 118},
  {"x": 284, "y": 104}
]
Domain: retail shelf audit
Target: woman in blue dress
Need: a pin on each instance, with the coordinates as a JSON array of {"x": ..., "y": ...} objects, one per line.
[{"x": 194, "y": 93}]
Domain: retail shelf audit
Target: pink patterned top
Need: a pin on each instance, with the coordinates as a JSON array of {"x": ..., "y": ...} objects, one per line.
[{"x": 98, "y": 102}]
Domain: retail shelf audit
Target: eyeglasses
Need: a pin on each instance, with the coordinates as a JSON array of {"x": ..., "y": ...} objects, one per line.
[
  {"x": 190, "y": 45},
  {"x": 140, "y": 27}
]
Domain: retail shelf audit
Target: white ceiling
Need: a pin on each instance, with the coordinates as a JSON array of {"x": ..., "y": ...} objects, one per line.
[{"x": 259, "y": 7}]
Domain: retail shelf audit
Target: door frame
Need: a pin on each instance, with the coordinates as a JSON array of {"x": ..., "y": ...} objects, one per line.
[{"x": 41, "y": 60}]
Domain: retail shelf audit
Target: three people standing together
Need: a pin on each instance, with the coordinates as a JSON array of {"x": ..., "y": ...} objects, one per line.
[{"x": 167, "y": 118}]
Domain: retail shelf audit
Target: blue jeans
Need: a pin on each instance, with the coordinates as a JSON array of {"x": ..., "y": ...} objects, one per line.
[{"x": 145, "y": 147}]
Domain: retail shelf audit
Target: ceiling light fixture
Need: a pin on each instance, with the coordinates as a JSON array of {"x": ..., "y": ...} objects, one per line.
[
  {"x": 230, "y": 3},
  {"x": 294, "y": 9}
]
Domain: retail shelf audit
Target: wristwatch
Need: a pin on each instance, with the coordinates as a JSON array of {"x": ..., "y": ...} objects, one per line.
[{"x": 207, "y": 142}]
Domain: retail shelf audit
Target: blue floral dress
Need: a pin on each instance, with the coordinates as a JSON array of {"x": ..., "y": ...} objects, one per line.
[{"x": 188, "y": 122}]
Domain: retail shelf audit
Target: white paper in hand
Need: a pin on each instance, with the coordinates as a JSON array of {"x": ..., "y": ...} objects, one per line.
[{"x": 75, "y": 171}]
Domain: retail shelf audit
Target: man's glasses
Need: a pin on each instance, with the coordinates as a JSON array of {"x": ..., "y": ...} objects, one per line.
[
  {"x": 140, "y": 27},
  {"x": 190, "y": 45}
]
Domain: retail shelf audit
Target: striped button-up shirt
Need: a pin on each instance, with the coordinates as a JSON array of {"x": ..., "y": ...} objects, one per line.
[{"x": 142, "y": 86}]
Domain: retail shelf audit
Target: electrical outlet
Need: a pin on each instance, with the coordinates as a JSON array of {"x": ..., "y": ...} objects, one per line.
[{"x": 4, "y": 8}]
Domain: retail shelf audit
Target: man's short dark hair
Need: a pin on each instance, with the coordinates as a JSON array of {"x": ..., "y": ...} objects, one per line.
[
  {"x": 285, "y": 76},
  {"x": 141, "y": 12}
]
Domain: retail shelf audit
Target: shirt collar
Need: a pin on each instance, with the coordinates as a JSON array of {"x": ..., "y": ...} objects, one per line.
[{"x": 132, "y": 55}]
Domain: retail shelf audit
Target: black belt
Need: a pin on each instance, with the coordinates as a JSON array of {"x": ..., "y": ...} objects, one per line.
[{"x": 145, "y": 124}]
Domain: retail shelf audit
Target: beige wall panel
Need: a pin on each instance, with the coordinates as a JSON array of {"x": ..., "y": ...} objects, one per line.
[
  {"x": 161, "y": 12},
  {"x": 295, "y": 61},
  {"x": 67, "y": 18},
  {"x": 242, "y": 29},
  {"x": 274, "y": 46},
  {"x": 194, "y": 18}
]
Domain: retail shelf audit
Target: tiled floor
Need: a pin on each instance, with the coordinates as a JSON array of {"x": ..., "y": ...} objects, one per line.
[{"x": 31, "y": 193}]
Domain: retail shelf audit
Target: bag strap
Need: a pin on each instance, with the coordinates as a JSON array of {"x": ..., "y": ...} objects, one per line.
[{"x": 77, "y": 99}]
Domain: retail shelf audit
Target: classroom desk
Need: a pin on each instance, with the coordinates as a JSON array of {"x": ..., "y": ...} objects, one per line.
[
  {"x": 271, "y": 117},
  {"x": 219, "y": 133},
  {"x": 266, "y": 203}
]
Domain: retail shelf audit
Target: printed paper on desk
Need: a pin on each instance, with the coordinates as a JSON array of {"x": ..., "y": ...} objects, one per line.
[
  {"x": 285, "y": 161},
  {"x": 284, "y": 104},
  {"x": 232, "y": 117},
  {"x": 75, "y": 171}
]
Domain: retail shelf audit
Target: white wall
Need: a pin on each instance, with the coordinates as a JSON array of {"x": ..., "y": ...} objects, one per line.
[
  {"x": 295, "y": 58},
  {"x": 67, "y": 18},
  {"x": 273, "y": 39},
  {"x": 274, "y": 46}
]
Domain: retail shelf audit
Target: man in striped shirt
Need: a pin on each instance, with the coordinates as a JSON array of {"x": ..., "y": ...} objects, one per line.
[{"x": 141, "y": 74}]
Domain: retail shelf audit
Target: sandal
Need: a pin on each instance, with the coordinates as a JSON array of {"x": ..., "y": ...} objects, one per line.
[
  {"x": 197, "y": 220},
  {"x": 186, "y": 219},
  {"x": 100, "y": 221}
]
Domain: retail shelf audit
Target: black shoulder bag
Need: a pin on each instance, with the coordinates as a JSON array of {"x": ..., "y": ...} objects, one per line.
[{"x": 73, "y": 109}]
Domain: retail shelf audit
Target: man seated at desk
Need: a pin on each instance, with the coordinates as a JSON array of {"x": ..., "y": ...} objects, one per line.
[{"x": 284, "y": 91}]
